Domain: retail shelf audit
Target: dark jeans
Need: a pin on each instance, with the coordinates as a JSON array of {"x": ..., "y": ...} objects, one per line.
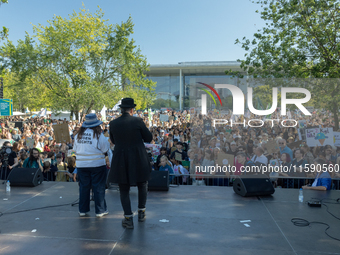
[
  {"x": 125, "y": 196},
  {"x": 95, "y": 178}
]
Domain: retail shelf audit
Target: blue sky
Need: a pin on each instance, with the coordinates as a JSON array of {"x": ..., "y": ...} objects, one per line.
[{"x": 167, "y": 32}]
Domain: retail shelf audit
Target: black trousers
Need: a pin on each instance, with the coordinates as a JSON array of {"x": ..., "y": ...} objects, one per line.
[{"x": 125, "y": 196}]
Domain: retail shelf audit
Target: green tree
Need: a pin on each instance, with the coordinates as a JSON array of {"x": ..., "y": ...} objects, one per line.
[
  {"x": 27, "y": 93},
  {"x": 83, "y": 61},
  {"x": 4, "y": 31},
  {"x": 300, "y": 40}
]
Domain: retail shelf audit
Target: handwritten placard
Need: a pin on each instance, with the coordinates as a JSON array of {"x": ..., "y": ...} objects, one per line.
[{"x": 319, "y": 136}]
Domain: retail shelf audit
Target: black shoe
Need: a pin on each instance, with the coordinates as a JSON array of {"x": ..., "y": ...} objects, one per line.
[
  {"x": 127, "y": 222},
  {"x": 141, "y": 215}
]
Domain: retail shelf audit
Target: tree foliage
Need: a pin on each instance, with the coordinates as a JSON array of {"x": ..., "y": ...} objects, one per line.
[
  {"x": 83, "y": 61},
  {"x": 300, "y": 40},
  {"x": 4, "y": 31},
  {"x": 27, "y": 93}
]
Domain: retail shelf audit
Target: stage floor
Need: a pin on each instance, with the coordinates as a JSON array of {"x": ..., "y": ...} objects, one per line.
[{"x": 185, "y": 220}]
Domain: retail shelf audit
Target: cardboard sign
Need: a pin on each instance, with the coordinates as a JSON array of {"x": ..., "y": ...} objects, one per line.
[
  {"x": 225, "y": 159},
  {"x": 171, "y": 118},
  {"x": 11, "y": 125},
  {"x": 61, "y": 133},
  {"x": 29, "y": 143},
  {"x": 178, "y": 156},
  {"x": 319, "y": 136},
  {"x": 294, "y": 144},
  {"x": 272, "y": 147},
  {"x": 163, "y": 117}
]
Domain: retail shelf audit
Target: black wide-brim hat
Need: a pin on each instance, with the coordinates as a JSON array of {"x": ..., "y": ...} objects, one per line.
[{"x": 127, "y": 103}]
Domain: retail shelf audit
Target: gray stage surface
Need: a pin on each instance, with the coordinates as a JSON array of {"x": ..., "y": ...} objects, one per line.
[{"x": 201, "y": 220}]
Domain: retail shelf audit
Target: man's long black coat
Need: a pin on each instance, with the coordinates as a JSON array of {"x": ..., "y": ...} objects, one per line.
[{"x": 130, "y": 162}]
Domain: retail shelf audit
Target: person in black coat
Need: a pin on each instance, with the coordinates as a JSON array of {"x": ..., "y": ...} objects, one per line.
[{"x": 130, "y": 163}]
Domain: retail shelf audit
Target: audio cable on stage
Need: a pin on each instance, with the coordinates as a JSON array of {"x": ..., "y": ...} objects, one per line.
[
  {"x": 39, "y": 208},
  {"x": 299, "y": 222}
]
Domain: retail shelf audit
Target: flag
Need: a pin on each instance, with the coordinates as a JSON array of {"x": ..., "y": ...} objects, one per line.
[
  {"x": 42, "y": 112},
  {"x": 289, "y": 115},
  {"x": 103, "y": 113},
  {"x": 115, "y": 108}
]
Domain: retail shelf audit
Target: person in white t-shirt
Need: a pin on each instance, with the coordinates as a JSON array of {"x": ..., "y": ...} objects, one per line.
[{"x": 90, "y": 146}]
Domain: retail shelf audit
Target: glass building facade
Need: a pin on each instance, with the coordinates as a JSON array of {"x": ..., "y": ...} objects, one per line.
[{"x": 181, "y": 86}]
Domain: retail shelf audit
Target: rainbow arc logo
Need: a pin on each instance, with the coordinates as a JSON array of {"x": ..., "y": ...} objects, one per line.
[{"x": 209, "y": 93}]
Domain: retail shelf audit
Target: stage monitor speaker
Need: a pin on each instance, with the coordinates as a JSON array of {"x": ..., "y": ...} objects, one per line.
[
  {"x": 253, "y": 185},
  {"x": 30, "y": 177},
  {"x": 158, "y": 181}
]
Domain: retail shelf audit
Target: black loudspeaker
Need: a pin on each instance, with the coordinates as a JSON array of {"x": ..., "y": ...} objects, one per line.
[
  {"x": 30, "y": 177},
  {"x": 159, "y": 180},
  {"x": 18, "y": 124},
  {"x": 253, "y": 185}
]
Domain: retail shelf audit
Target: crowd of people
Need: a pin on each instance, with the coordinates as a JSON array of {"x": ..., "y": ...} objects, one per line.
[{"x": 188, "y": 142}]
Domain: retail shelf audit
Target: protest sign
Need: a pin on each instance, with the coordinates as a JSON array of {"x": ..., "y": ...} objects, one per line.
[
  {"x": 225, "y": 159},
  {"x": 29, "y": 143},
  {"x": 154, "y": 147},
  {"x": 319, "y": 136},
  {"x": 178, "y": 156},
  {"x": 272, "y": 146},
  {"x": 61, "y": 133},
  {"x": 302, "y": 123},
  {"x": 71, "y": 153},
  {"x": 336, "y": 139},
  {"x": 163, "y": 117}
]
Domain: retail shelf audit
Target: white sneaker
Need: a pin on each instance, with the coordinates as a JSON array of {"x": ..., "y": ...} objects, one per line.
[
  {"x": 102, "y": 214},
  {"x": 82, "y": 214}
]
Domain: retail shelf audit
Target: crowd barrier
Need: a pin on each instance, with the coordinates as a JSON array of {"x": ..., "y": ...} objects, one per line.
[{"x": 201, "y": 180}]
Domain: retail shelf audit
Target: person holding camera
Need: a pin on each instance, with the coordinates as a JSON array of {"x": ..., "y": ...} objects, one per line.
[{"x": 9, "y": 159}]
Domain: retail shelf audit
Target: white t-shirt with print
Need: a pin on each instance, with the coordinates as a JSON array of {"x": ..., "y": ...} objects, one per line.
[{"x": 90, "y": 151}]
